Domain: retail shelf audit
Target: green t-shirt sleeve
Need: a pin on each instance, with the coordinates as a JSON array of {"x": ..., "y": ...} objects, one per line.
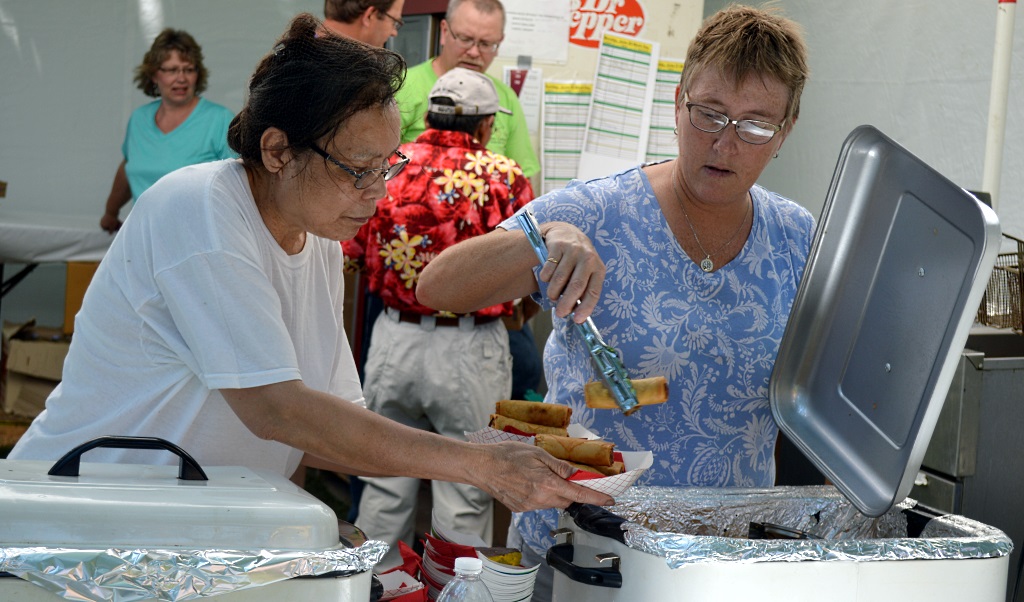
[
  {"x": 519, "y": 146},
  {"x": 412, "y": 100},
  {"x": 412, "y": 117}
]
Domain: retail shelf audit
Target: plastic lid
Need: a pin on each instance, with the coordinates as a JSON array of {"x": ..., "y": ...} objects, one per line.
[{"x": 468, "y": 564}]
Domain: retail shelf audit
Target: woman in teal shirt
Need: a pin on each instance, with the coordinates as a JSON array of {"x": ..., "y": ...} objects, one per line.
[{"x": 177, "y": 130}]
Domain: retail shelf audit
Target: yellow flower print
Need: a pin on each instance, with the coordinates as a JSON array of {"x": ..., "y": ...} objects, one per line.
[
  {"x": 454, "y": 180},
  {"x": 352, "y": 266},
  {"x": 505, "y": 166},
  {"x": 410, "y": 275},
  {"x": 446, "y": 181},
  {"x": 478, "y": 190},
  {"x": 479, "y": 161},
  {"x": 400, "y": 253}
]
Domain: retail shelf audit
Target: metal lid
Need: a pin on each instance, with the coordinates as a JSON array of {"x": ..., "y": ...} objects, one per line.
[{"x": 897, "y": 270}]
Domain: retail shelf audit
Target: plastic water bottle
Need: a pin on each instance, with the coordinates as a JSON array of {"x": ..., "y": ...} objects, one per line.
[{"x": 466, "y": 586}]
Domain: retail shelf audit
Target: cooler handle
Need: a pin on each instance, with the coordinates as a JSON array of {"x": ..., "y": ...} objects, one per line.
[
  {"x": 597, "y": 520},
  {"x": 188, "y": 468},
  {"x": 560, "y": 558}
]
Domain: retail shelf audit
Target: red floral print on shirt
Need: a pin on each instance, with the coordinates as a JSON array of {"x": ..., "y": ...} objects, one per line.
[{"x": 453, "y": 189}]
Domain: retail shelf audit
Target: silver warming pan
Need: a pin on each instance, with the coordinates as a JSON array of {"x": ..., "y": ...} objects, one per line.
[{"x": 897, "y": 270}]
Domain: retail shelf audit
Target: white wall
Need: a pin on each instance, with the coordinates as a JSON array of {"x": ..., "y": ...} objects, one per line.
[
  {"x": 66, "y": 91},
  {"x": 918, "y": 70},
  {"x": 67, "y": 88}
]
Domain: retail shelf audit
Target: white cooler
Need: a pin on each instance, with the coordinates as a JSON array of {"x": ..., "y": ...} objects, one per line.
[
  {"x": 898, "y": 266},
  {"x": 692, "y": 544},
  {"x": 123, "y": 532}
]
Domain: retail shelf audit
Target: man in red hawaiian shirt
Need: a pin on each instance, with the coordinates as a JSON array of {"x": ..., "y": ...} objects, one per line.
[{"x": 427, "y": 369}]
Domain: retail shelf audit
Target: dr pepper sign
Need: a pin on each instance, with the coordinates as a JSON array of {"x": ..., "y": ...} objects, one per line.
[{"x": 591, "y": 18}]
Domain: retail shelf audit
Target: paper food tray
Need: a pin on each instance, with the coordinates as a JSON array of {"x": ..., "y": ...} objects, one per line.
[
  {"x": 636, "y": 462},
  {"x": 397, "y": 584}
]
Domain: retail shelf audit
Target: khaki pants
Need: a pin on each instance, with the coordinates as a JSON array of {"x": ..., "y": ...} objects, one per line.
[{"x": 444, "y": 379}]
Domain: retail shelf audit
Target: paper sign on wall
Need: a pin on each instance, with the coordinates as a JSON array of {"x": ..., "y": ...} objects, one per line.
[
  {"x": 564, "y": 122},
  {"x": 662, "y": 143},
  {"x": 618, "y": 124},
  {"x": 527, "y": 85},
  {"x": 527, "y": 21},
  {"x": 591, "y": 19}
]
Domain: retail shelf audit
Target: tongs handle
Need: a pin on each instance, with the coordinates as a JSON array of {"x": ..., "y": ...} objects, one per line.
[{"x": 606, "y": 359}]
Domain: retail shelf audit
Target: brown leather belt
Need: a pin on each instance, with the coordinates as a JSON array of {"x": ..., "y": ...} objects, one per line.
[{"x": 415, "y": 318}]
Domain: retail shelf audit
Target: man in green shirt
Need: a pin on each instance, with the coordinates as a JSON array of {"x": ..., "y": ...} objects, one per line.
[{"x": 471, "y": 32}]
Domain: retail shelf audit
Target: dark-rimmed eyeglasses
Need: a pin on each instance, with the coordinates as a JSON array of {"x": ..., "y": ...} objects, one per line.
[
  {"x": 398, "y": 22},
  {"x": 369, "y": 177},
  {"x": 466, "y": 42},
  {"x": 751, "y": 131}
]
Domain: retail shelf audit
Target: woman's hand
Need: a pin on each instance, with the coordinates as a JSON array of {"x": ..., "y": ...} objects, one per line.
[
  {"x": 110, "y": 223},
  {"x": 574, "y": 271},
  {"x": 120, "y": 194},
  {"x": 524, "y": 477}
]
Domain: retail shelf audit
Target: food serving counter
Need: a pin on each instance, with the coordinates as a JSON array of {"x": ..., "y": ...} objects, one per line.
[
  {"x": 897, "y": 269},
  {"x": 122, "y": 532}
]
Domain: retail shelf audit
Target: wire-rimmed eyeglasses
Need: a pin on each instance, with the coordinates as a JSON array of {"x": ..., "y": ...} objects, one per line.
[
  {"x": 398, "y": 22},
  {"x": 176, "y": 71},
  {"x": 751, "y": 131},
  {"x": 369, "y": 177},
  {"x": 466, "y": 42}
]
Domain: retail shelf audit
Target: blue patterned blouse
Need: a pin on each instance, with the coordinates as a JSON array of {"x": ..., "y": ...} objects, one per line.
[{"x": 713, "y": 336}]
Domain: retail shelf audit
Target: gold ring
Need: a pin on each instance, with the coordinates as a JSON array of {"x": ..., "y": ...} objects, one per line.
[{"x": 552, "y": 260}]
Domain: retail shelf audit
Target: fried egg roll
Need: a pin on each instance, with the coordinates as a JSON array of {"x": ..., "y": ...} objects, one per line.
[
  {"x": 583, "y": 451},
  {"x": 608, "y": 471},
  {"x": 534, "y": 412},
  {"x": 649, "y": 391},
  {"x": 500, "y": 422}
]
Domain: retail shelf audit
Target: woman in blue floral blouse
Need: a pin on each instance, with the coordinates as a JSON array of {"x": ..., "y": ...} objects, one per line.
[{"x": 687, "y": 267}]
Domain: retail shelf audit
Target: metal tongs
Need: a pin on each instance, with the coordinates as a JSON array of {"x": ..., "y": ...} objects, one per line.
[{"x": 606, "y": 359}]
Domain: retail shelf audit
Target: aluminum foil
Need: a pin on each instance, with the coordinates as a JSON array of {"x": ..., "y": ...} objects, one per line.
[
  {"x": 701, "y": 525},
  {"x": 174, "y": 575}
]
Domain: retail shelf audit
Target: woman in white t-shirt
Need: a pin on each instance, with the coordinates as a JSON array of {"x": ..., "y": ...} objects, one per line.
[{"x": 215, "y": 320}]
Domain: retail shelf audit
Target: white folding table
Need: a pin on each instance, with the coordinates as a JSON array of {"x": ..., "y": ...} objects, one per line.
[{"x": 32, "y": 239}]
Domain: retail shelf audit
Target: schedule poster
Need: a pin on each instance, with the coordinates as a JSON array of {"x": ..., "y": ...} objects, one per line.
[
  {"x": 619, "y": 121},
  {"x": 565, "y": 108},
  {"x": 661, "y": 143}
]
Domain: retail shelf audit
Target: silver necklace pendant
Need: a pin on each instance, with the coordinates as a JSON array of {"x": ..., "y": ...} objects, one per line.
[{"x": 706, "y": 264}]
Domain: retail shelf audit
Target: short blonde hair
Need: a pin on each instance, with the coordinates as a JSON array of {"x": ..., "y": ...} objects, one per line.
[{"x": 744, "y": 41}]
